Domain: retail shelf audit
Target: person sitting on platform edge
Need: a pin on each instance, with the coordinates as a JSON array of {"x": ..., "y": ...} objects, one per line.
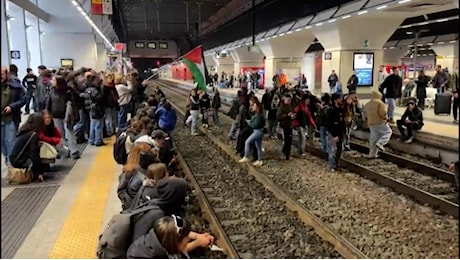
[{"x": 412, "y": 119}]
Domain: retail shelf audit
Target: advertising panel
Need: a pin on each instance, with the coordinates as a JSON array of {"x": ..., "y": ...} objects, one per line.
[{"x": 363, "y": 65}]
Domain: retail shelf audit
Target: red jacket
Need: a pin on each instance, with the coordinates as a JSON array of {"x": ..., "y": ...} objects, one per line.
[
  {"x": 52, "y": 140},
  {"x": 303, "y": 107}
]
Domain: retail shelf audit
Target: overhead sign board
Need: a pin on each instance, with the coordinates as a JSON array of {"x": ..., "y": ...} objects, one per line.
[
  {"x": 101, "y": 7},
  {"x": 107, "y": 7}
]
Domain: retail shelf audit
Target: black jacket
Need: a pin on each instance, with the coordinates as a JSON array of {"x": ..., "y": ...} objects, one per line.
[
  {"x": 352, "y": 83},
  {"x": 17, "y": 99},
  {"x": 335, "y": 121},
  {"x": 147, "y": 247},
  {"x": 416, "y": 116},
  {"x": 205, "y": 102},
  {"x": 194, "y": 103},
  {"x": 57, "y": 103},
  {"x": 31, "y": 152},
  {"x": 393, "y": 86},
  {"x": 128, "y": 187},
  {"x": 94, "y": 101},
  {"x": 422, "y": 84}
]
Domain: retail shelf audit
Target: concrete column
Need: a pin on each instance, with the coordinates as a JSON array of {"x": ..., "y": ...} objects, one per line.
[
  {"x": 225, "y": 65},
  {"x": 341, "y": 39},
  {"x": 445, "y": 54},
  {"x": 101, "y": 53},
  {"x": 308, "y": 68},
  {"x": 5, "y": 40},
  {"x": 33, "y": 41},
  {"x": 19, "y": 38}
]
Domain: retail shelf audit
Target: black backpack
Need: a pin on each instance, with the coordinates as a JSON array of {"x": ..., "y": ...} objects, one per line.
[
  {"x": 119, "y": 149},
  {"x": 117, "y": 236}
]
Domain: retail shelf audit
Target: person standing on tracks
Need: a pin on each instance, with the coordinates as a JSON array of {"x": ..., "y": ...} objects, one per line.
[
  {"x": 375, "y": 113},
  {"x": 194, "y": 111},
  {"x": 233, "y": 114},
  {"x": 215, "y": 106},
  {"x": 336, "y": 129},
  {"x": 257, "y": 124},
  {"x": 285, "y": 116},
  {"x": 205, "y": 105},
  {"x": 125, "y": 96}
]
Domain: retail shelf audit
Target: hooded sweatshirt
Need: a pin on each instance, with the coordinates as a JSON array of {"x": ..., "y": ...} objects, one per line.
[
  {"x": 147, "y": 247},
  {"x": 13, "y": 95},
  {"x": 172, "y": 194},
  {"x": 375, "y": 110}
]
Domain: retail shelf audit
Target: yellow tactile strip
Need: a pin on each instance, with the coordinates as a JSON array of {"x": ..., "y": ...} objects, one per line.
[{"x": 79, "y": 234}]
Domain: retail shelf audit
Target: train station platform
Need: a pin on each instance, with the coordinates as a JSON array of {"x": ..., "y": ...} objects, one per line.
[
  {"x": 435, "y": 125},
  {"x": 63, "y": 216}
]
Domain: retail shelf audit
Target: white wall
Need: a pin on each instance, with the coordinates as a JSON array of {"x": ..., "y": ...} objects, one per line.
[
  {"x": 4, "y": 30},
  {"x": 79, "y": 47},
  {"x": 33, "y": 42},
  {"x": 308, "y": 68}
]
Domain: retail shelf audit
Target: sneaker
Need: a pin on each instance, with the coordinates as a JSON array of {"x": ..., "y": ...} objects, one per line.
[
  {"x": 380, "y": 147},
  {"x": 303, "y": 154},
  {"x": 258, "y": 163},
  {"x": 409, "y": 140},
  {"x": 194, "y": 133},
  {"x": 455, "y": 122},
  {"x": 243, "y": 160},
  {"x": 76, "y": 155}
]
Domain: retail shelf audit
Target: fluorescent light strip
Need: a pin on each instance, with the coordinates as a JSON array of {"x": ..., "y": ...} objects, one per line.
[
  {"x": 307, "y": 27},
  {"x": 91, "y": 22},
  {"x": 382, "y": 7},
  {"x": 298, "y": 30},
  {"x": 331, "y": 21},
  {"x": 289, "y": 32},
  {"x": 363, "y": 12},
  {"x": 319, "y": 24},
  {"x": 346, "y": 16},
  {"x": 404, "y": 1}
]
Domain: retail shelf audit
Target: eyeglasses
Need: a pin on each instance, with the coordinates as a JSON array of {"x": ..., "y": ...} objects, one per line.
[{"x": 178, "y": 222}]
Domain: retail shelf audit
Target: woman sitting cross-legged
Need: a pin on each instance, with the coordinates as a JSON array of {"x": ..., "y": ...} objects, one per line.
[
  {"x": 50, "y": 134},
  {"x": 26, "y": 149},
  {"x": 257, "y": 123}
]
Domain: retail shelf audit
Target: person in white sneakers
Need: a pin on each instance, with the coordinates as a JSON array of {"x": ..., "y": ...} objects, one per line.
[
  {"x": 375, "y": 113},
  {"x": 257, "y": 123}
]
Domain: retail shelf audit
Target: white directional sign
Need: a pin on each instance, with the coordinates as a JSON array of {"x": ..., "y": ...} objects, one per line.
[{"x": 107, "y": 7}]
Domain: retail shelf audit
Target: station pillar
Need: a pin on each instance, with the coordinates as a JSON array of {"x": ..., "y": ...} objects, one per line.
[
  {"x": 362, "y": 37},
  {"x": 447, "y": 55},
  {"x": 18, "y": 38},
  {"x": 285, "y": 54},
  {"x": 5, "y": 40}
]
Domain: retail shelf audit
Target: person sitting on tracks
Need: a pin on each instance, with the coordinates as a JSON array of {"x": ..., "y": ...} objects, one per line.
[
  {"x": 167, "y": 117},
  {"x": 133, "y": 173},
  {"x": 412, "y": 120},
  {"x": 375, "y": 113},
  {"x": 257, "y": 124},
  {"x": 171, "y": 237},
  {"x": 154, "y": 174},
  {"x": 165, "y": 147}
]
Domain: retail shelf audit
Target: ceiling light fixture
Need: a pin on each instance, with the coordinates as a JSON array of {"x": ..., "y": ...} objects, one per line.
[
  {"x": 346, "y": 17},
  {"x": 298, "y": 30},
  {"x": 91, "y": 22},
  {"x": 307, "y": 27},
  {"x": 331, "y": 21},
  {"x": 454, "y": 41},
  {"x": 404, "y": 1},
  {"x": 363, "y": 12},
  {"x": 392, "y": 47},
  {"x": 441, "y": 42},
  {"x": 442, "y": 20},
  {"x": 289, "y": 32},
  {"x": 382, "y": 7},
  {"x": 319, "y": 24}
]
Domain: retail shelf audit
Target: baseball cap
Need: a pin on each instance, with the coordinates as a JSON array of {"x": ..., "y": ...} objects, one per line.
[
  {"x": 157, "y": 134},
  {"x": 42, "y": 67},
  {"x": 145, "y": 139}
]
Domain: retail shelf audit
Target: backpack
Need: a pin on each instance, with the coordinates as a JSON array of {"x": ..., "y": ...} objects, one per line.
[
  {"x": 116, "y": 238},
  {"x": 119, "y": 149},
  {"x": 276, "y": 100}
]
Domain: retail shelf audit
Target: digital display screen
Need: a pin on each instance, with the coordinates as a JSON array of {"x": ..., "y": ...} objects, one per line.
[
  {"x": 363, "y": 65},
  {"x": 140, "y": 45},
  {"x": 152, "y": 45},
  {"x": 163, "y": 45}
]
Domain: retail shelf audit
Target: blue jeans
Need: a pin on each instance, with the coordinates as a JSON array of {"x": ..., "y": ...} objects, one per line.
[
  {"x": 232, "y": 133},
  {"x": 334, "y": 150},
  {"x": 323, "y": 138},
  {"x": 300, "y": 145},
  {"x": 8, "y": 139},
  {"x": 123, "y": 116},
  {"x": 110, "y": 120},
  {"x": 67, "y": 134},
  {"x": 256, "y": 138},
  {"x": 194, "y": 114},
  {"x": 391, "y": 107},
  {"x": 82, "y": 127},
  {"x": 215, "y": 116},
  {"x": 95, "y": 131}
]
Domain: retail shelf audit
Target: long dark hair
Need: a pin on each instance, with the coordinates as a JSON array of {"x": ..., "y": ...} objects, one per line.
[
  {"x": 34, "y": 123},
  {"x": 61, "y": 85},
  {"x": 48, "y": 129}
]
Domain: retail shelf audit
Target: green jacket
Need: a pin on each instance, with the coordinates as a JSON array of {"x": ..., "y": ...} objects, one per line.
[{"x": 257, "y": 121}]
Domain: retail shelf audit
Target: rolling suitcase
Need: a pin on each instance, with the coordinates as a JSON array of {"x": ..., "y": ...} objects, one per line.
[{"x": 442, "y": 103}]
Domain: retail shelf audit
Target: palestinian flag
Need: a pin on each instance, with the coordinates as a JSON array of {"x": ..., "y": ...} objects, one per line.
[{"x": 195, "y": 63}]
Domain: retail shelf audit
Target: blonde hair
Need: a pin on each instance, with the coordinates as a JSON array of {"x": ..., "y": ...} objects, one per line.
[
  {"x": 109, "y": 75},
  {"x": 119, "y": 78},
  {"x": 168, "y": 234},
  {"x": 156, "y": 172}
]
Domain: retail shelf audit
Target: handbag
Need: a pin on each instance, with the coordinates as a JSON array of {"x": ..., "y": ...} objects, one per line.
[
  {"x": 47, "y": 151},
  {"x": 20, "y": 175}
]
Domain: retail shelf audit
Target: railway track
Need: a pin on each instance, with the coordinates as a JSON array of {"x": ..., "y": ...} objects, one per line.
[
  {"x": 332, "y": 244},
  {"x": 426, "y": 184},
  {"x": 207, "y": 212}
]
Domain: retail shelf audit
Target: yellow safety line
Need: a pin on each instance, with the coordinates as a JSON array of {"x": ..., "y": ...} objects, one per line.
[{"x": 79, "y": 235}]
